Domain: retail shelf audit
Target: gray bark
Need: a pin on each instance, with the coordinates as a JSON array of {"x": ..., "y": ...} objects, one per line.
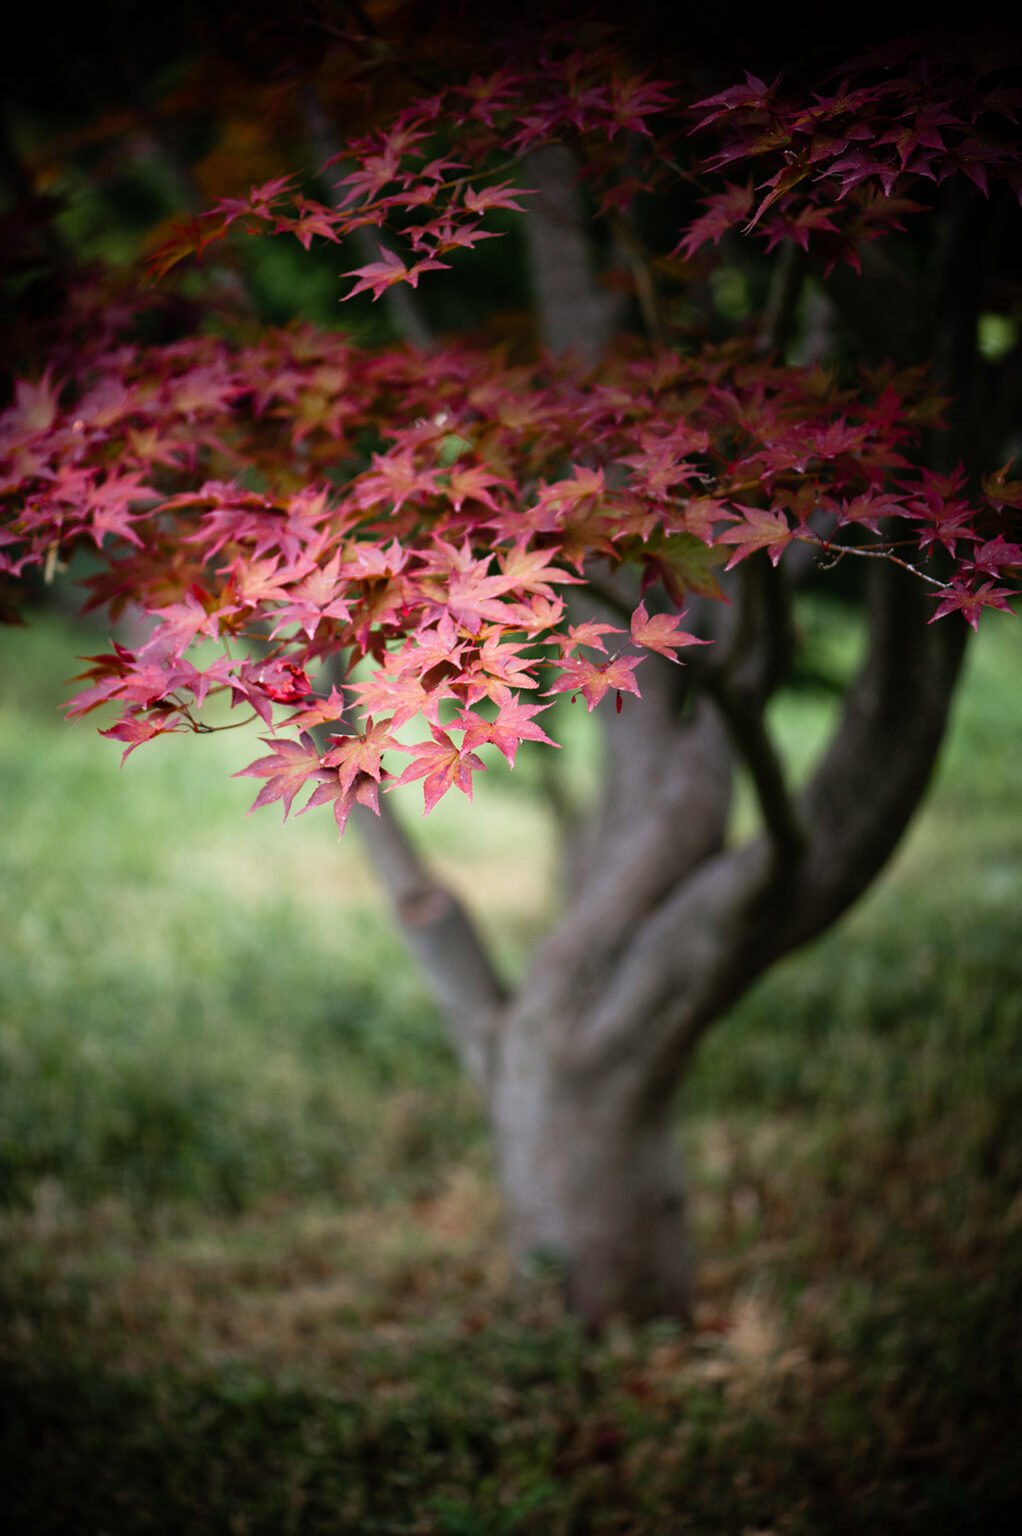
[{"x": 592, "y": 1180}]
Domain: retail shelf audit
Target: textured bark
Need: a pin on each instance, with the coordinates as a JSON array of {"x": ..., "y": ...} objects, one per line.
[
  {"x": 574, "y": 316},
  {"x": 442, "y": 936},
  {"x": 591, "y": 1179}
]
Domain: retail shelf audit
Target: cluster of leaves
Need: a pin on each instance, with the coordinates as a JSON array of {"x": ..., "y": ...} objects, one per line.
[
  {"x": 846, "y": 167},
  {"x": 415, "y": 519},
  {"x": 440, "y": 558},
  {"x": 839, "y": 170},
  {"x": 404, "y": 179}
]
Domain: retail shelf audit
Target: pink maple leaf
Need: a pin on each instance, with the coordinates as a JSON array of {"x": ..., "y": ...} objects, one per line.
[
  {"x": 530, "y": 570},
  {"x": 590, "y": 633},
  {"x": 442, "y": 765},
  {"x": 290, "y": 766},
  {"x": 660, "y": 632},
  {"x": 380, "y": 275},
  {"x": 363, "y": 790},
  {"x": 514, "y": 724},
  {"x": 320, "y": 711},
  {"x": 593, "y": 680},
  {"x": 757, "y": 529},
  {"x": 361, "y": 754},
  {"x": 377, "y": 276},
  {"x": 481, "y": 199}
]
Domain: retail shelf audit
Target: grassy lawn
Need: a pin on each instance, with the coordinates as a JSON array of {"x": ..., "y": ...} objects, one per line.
[{"x": 252, "y": 1276}]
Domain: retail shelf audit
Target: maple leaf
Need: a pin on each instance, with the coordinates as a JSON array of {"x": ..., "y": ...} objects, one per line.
[
  {"x": 257, "y": 581},
  {"x": 188, "y": 237},
  {"x": 502, "y": 195},
  {"x": 472, "y": 597},
  {"x": 529, "y": 570},
  {"x": 401, "y": 698},
  {"x": 394, "y": 477},
  {"x": 377, "y": 276},
  {"x": 632, "y": 99},
  {"x": 442, "y": 766},
  {"x": 513, "y": 724},
  {"x": 380, "y": 275},
  {"x": 754, "y": 95},
  {"x": 182, "y": 622},
  {"x": 313, "y": 219},
  {"x": 33, "y": 412},
  {"x": 590, "y": 633},
  {"x": 315, "y": 598},
  {"x": 361, "y": 754},
  {"x": 1002, "y": 492},
  {"x": 593, "y": 680},
  {"x": 970, "y": 603},
  {"x": 995, "y": 555},
  {"x": 108, "y": 508},
  {"x": 724, "y": 210},
  {"x": 443, "y": 235},
  {"x": 660, "y": 632},
  {"x": 683, "y": 563},
  {"x": 947, "y": 516},
  {"x": 472, "y": 482},
  {"x": 868, "y": 509},
  {"x": 757, "y": 529},
  {"x": 563, "y": 495},
  {"x": 496, "y": 663},
  {"x": 136, "y": 729},
  {"x": 320, "y": 711},
  {"x": 698, "y": 517},
  {"x": 290, "y": 766},
  {"x": 362, "y": 790}
]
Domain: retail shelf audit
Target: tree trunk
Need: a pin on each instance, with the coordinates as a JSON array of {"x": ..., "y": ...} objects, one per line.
[{"x": 592, "y": 1182}]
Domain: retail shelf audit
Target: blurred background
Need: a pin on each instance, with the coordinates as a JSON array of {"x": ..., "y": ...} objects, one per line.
[{"x": 252, "y": 1270}]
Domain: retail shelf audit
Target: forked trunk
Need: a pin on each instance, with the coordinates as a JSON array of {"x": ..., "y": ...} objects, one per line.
[{"x": 593, "y": 1185}]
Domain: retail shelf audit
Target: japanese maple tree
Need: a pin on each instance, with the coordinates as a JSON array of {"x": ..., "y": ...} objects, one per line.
[{"x": 390, "y": 558}]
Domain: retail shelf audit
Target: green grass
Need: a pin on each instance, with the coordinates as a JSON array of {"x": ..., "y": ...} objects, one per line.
[{"x": 252, "y": 1271}]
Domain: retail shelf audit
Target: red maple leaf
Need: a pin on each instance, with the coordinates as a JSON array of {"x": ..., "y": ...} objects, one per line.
[
  {"x": 290, "y": 766},
  {"x": 970, "y": 603},
  {"x": 995, "y": 556},
  {"x": 136, "y": 729}
]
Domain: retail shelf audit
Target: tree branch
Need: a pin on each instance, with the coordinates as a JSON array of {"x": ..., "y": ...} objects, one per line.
[
  {"x": 442, "y": 936},
  {"x": 739, "y": 912},
  {"x": 747, "y": 729},
  {"x": 752, "y": 665}
]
